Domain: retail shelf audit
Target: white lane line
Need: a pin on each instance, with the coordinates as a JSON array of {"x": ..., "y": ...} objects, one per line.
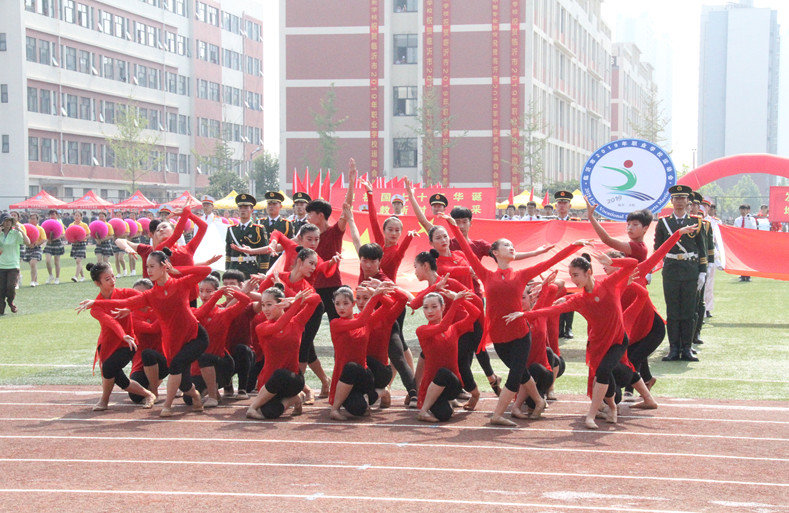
[
  {"x": 639, "y": 477},
  {"x": 420, "y": 445},
  {"x": 131, "y": 406},
  {"x": 530, "y": 428},
  {"x": 320, "y": 496}
]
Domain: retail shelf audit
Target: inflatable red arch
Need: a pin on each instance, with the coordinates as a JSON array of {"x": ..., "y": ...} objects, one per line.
[{"x": 735, "y": 165}]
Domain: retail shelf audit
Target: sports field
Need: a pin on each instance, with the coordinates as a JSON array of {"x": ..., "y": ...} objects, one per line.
[{"x": 718, "y": 442}]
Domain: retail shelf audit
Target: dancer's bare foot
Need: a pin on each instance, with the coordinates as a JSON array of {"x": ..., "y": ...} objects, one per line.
[
  {"x": 651, "y": 383},
  {"x": 538, "y": 409},
  {"x": 147, "y": 403},
  {"x": 166, "y": 412},
  {"x": 297, "y": 409},
  {"x": 309, "y": 399},
  {"x": 498, "y": 420},
  {"x": 254, "y": 413},
  {"x": 472, "y": 403},
  {"x": 612, "y": 415},
  {"x": 337, "y": 415},
  {"x": 517, "y": 412},
  {"x": 100, "y": 406},
  {"x": 197, "y": 401},
  {"x": 385, "y": 398},
  {"x": 551, "y": 395},
  {"x": 325, "y": 385},
  {"x": 646, "y": 405},
  {"x": 590, "y": 423},
  {"x": 426, "y": 416}
]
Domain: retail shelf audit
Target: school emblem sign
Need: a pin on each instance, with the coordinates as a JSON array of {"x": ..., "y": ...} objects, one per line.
[{"x": 627, "y": 175}]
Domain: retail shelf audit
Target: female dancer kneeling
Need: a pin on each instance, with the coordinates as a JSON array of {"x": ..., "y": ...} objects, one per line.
[
  {"x": 503, "y": 289},
  {"x": 600, "y": 303},
  {"x": 149, "y": 366},
  {"x": 439, "y": 342},
  {"x": 116, "y": 344},
  {"x": 183, "y": 339},
  {"x": 281, "y": 380},
  {"x": 351, "y": 379}
]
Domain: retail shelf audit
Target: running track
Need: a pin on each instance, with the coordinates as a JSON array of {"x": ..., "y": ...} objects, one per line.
[{"x": 688, "y": 455}]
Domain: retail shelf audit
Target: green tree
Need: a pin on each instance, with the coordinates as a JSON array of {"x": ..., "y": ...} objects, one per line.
[
  {"x": 224, "y": 172},
  {"x": 530, "y": 146},
  {"x": 428, "y": 128},
  {"x": 135, "y": 151},
  {"x": 651, "y": 122},
  {"x": 266, "y": 172},
  {"x": 746, "y": 191},
  {"x": 326, "y": 125}
]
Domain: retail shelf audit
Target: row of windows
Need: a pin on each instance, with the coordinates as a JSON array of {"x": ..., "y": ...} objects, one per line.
[
  {"x": 405, "y": 5},
  {"x": 230, "y": 95},
  {"x": 45, "y": 52},
  {"x": 47, "y": 7},
  {"x": 228, "y": 21},
  {"x": 210, "y": 53},
  {"x": 233, "y": 132}
]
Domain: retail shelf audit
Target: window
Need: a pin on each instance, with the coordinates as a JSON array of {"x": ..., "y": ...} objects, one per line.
[
  {"x": 30, "y": 46},
  {"x": 139, "y": 32},
  {"x": 106, "y": 22},
  {"x": 45, "y": 105},
  {"x": 45, "y": 7},
  {"x": 44, "y": 55},
  {"x": 71, "y": 58},
  {"x": 172, "y": 122},
  {"x": 86, "y": 154},
  {"x": 109, "y": 112},
  {"x": 120, "y": 26},
  {"x": 183, "y": 125},
  {"x": 6, "y": 144},
  {"x": 108, "y": 67},
  {"x": 2, "y": 42},
  {"x": 169, "y": 41},
  {"x": 182, "y": 43},
  {"x": 183, "y": 163},
  {"x": 152, "y": 39},
  {"x": 32, "y": 149},
  {"x": 213, "y": 16},
  {"x": 46, "y": 150},
  {"x": 405, "y": 152},
  {"x": 200, "y": 11},
  {"x": 213, "y": 54},
  {"x": 153, "y": 78},
  {"x": 84, "y": 108},
  {"x": 68, "y": 11},
  {"x": 142, "y": 75},
  {"x": 84, "y": 63},
  {"x": 71, "y": 105},
  {"x": 3, "y": 93},
  {"x": 32, "y": 99},
  {"x": 405, "y": 101},
  {"x": 30, "y": 5},
  {"x": 202, "y": 89},
  {"x": 213, "y": 91},
  {"x": 405, "y": 5},
  {"x": 82, "y": 15},
  {"x": 202, "y": 50},
  {"x": 406, "y": 49}
]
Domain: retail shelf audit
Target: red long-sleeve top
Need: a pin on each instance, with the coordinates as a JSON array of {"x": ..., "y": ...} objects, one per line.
[
  {"x": 539, "y": 328},
  {"x": 217, "y": 321},
  {"x": 148, "y": 335},
  {"x": 381, "y": 328},
  {"x": 602, "y": 309},
  {"x": 552, "y": 323},
  {"x": 454, "y": 286},
  {"x": 439, "y": 343},
  {"x": 291, "y": 287},
  {"x": 350, "y": 338},
  {"x": 170, "y": 303},
  {"x": 326, "y": 268},
  {"x": 239, "y": 331},
  {"x": 393, "y": 255},
  {"x": 457, "y": 267},
  {"x": 112, "y": 330},
  {"x": 281, "y": 338},
  {"x": 503, "y": 291},
  {"x": 182, "y": 256}
]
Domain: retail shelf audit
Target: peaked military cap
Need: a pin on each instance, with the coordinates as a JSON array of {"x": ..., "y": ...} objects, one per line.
[
  {"x": 274, "y": 196},
  {"x": 301, "y": 196},
  {"x": 563, "y": 195},
  {"x": 246, "y": 199},
  {"x": 439, "y": 199},
  {"x": 680, "y": 190}
]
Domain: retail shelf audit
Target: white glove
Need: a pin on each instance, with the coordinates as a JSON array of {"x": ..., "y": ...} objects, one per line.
[
  {"x": 648, "y": 278},
  {"x": 710, "y": 268},
  {"x": 700, "y": 282}
]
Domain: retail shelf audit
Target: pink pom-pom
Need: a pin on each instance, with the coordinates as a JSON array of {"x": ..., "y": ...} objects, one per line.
[
  {"x": 53, "y": 228},
  {"x": 76, "y": 233},
  {"x": 144, "y": 223},
  {"x": 32, "y": 232},
  {"x": 98, "y": 229},
  {"x": 119, "y": 226},
  {"x": 132, "y": 224}
]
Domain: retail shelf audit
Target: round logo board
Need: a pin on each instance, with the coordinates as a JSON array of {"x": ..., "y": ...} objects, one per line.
[{"x": 627, "y": 175}]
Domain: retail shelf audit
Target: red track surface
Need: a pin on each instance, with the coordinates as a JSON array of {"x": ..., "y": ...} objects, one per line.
[{"x": 57, "y": 455}]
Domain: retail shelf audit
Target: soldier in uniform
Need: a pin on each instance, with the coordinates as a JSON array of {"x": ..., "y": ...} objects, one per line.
[
  {"x": 397, "y": 204},
  {"x": 246, "y": 233},
  {"x": 684, "y": 274},
  {"x": 709, "y": 297},
  {"x": 299, "y": 217},
  {"x": 274, "y": 221},
  {"x": 563, "y": 199},
  {"x": 706, "y": 233},
  {"x": 208, "y": 209}
]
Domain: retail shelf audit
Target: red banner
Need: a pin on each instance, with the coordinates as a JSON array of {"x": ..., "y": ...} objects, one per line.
[
  {"x": 495, "y": 72},
  {"x": 429, "y": 64},
  {"x": 375, "y": 8},
  {"x": 445, "y": 33},
  {"x": 515, "y": 88},
  {"x": 481, "y": 201},
  {"x": 743, "y": 257},
  {"x": 779, "y": 205}
]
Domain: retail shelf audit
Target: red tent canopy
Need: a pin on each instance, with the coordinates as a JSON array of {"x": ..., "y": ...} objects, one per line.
[
  {"x": 181, "y": 200},
  {"x": 41, "y": 200},
  {"x": 135, "y": 202},
  {"x": 89, "y": 201}
]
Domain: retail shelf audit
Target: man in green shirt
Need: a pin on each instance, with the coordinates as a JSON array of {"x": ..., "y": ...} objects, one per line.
[{"x": 12, "y": 235}]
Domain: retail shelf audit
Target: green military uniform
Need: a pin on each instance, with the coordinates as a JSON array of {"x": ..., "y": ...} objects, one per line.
[
  {"x": 251, "y": 234},
  {"x": 280, "y": 224},
  {"x": 294, "y": 222},
  {"x": 681, "y": 268},
  {"x": 701, "y": 308}
]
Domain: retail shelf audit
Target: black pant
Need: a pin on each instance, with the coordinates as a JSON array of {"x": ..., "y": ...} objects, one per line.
[
  {"x": 441, "y": 409},
  {"x": 396, "y": 351},
  {"x": 382, "y": 374},
  {"x": 191, "y": 351},
  {"x": 222, "y": 366},
  {"x": 8, "y": 279},
  {"x": 515, "y": 354},
  {"x": 363, "y": 384},
  {"x": 544, "y": 379},
  {"x": 112, "y": 367},
  {"x": 326, "y": 294},
  {"x": 557, "y": 362},
  {"x": 565, "y": 322},
  {"x": 638, "y": 352},
  {"x": 604, "y": 373},
  {"x": 243, "y": 360},
  {"x": 252, "y": 383},
  {"x": 307, "y": 348},
  {"x": 467, "y": 346},
  {"x": 283, "y": 384},
  {"x": 623, "y": 377},
  {"x": 150, "y": 358}
]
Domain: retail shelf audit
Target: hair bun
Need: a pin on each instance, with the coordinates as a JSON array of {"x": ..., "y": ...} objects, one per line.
[
  {"x": 280, "y": 286},
  {"x": 586, "y": 256},
  {"x": 90, "y": 266},
  {"x": 434, "y": 253},
  {"x": 167, "y": 251},
  {"x": 298, "y": 249}
]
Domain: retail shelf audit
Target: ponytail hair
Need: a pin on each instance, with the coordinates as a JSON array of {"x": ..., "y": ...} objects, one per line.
[
  {"x": 96, "y": 270},
  {"x": 428, "y": 257}
]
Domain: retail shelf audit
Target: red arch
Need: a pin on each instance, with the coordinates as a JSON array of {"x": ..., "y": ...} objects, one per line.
[{"x": 735, "y": 165}]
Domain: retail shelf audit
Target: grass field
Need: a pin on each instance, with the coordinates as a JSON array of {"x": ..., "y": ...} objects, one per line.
[{"x": 745, "y": 355}]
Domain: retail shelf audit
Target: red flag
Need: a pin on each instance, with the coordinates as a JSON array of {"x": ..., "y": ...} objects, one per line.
[
  {"x": 316, "y": 186},
  {"x": 546, "y": 199},
  {"x": 326, "y": 189},
  {"x": 295, "y": 187},
  {"x": 305, "y": 184},
  {"x": 511, "y": 199},
  {"x": 531, "y": 194},
  {"x": 338, "y": 183}
]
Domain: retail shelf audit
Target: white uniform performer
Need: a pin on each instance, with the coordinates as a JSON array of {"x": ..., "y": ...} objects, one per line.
[{"x": 709, "y": 215}]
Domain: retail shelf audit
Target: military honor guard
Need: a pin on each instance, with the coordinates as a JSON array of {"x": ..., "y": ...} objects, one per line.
[
  {"x": 299, "y": 216},
  {"x": 208, "y": 209},
  {"x": 274, "y": 221},
  {"x": 706, "y": 232},
  {"x": 397, "y": 204},
  {"x": 438, "y": 203},
  {"x": 709, "y": 297},
  {"x": 563, "y": 199},
  {"x": 684, "y": 274},
  {"x": 246, "y": 233}
]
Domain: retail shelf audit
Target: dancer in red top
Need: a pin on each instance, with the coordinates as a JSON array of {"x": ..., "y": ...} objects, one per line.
[
  {"x": 425, "y": 268},
  {"x": 637, "y": 226},
  {"x": 503, "y": 290},
  {"x": 439, "y": 342},
  {"x": 281, "y": 380},
  {"x": 183, "y": 339},
  {"x": 116, "y": 345},
  {"x": 214, "y": 368},
  {"x": 149, "y": 366},
  {"x": 351, "y": 379},
  {"x": 600, "y": 303}
]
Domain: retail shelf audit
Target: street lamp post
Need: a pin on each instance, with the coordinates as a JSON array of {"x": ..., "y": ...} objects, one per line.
[{"x": 249, "y": 170}]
